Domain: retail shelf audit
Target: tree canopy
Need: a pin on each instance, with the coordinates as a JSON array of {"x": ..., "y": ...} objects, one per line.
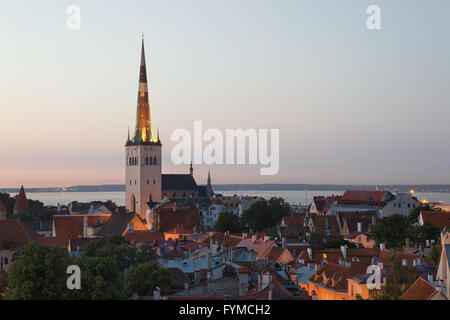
[
  {"x": 392, "y": 231},
  {"x": 110, "y": 269},
  {"x": 265, "y": 214},
  {"x": 228, "y": 221}
]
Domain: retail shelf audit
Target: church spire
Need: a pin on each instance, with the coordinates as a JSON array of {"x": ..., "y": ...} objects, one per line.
[{"x": 143, "y": 131}]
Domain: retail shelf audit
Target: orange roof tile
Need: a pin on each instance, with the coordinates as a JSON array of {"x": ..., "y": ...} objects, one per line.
[{"x": 419, "y": 290}]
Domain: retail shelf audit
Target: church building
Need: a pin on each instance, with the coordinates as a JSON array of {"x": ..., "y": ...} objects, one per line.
[{"x": 144, "y": 180}]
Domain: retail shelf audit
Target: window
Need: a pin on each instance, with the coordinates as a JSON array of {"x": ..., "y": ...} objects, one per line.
[
  {"x": 154, "y": 161},
  {"x": 130, "y": 182},
  {"x": 6, "y": 260},
  {"x": 151, "y": 161},
  {"x": 148, "y": 182},
  {"x": 154, "y": 182},
  {"x": 134, "y": 182}
]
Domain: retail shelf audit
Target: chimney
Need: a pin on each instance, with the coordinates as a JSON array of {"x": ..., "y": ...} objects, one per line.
[
  {"x": 284, "y": 242},
  {"x": 85, "y": 225},
  {"x": 243, "y": 283},
  {"x": 270, "y": 293},
  {"x": 309, "y": 250},
  {"x": 157, "y": 294},
  {"x": 254, "y": 238},
  {"x": 359, "y": 224},
  {"x": 344, "y": 252}
]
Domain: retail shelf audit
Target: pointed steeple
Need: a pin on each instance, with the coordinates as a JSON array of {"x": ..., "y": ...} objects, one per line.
[
  {"x": 21, "y": 201},
  {"x": 143, "y": 132},
  {"x": 191, "y": 170},
  {"x": 209, "y": 178}
]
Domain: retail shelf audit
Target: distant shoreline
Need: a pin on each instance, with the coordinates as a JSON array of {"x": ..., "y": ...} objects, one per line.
[{"x": 251, "y": 187}]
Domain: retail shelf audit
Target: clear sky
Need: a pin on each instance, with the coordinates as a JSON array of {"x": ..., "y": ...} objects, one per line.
[{"x": 352, "y": 105}]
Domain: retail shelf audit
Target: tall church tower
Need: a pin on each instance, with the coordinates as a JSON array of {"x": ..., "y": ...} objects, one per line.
[{"x": 142, "y": 154}]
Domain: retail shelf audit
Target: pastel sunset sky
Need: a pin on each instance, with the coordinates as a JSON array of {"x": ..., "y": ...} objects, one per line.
[{"x": 352, "y": 105}]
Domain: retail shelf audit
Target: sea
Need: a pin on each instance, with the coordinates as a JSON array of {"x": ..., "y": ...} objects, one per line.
[{"x": 293, "y": 197}]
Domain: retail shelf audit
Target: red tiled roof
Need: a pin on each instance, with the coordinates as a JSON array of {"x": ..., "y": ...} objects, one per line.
[
  {"x": 386, "y": 254},
  {"x": 16, "y": 233},
  {"x": 419, "y": 290},
  {"x": 180, "y": 230},
  {"x": 259, "y": 246},
  {"x": 54, "y": 242},
  {"x": 71, "y": 226},
  {"x": 21, "y": 201},
  {"x": 295, "y": 220},
  {"x": 140, "y": 236},
  {"x": 438, "y": 219},
  {"x": 364, "y": 197}
]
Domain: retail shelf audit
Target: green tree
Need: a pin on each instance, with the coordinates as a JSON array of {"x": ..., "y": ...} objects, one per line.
[
  {"x": 100, "y": 279},
  {"x": 39, "y": 273},
  {"x": 420, "y": 234},
  {"x": 434, "y": 256},
  {"x": 399, "y": 279},
  {"x": 114, "y": 246},
  {"x": 317, "y": 240},
  {"x": 392, "y": 231},
  {"x": 144, "y": 278},
  {"x": 265, "y": 214},
  {"x": 227, "y": 221}
]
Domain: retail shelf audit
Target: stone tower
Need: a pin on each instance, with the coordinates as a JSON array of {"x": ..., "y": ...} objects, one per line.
[{"x": 142, "y": 154}]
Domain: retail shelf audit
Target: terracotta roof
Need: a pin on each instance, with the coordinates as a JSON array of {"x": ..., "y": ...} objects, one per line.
[
  {"x": 331, "y": 276},
  {"x": 439, "y": 219},
  {"x": 180, "y": 230},
  {"x": 386, "y": 254},
  {"x": 259, "y": 246},
  {"x": 419, "y": 290},
  {"x": 179, "y": 278},
  {"x": 16, "y": 234},
  {"x": 322, "y": 203},
  {"x": 274, "y": 254},
  {"x": 366, "y": 197},
  {"x": 54, "y": 242},
  {"x": 71, "y": 226},
  {"x": 117, "y": 224},
  {"x": 21, "y": 201},
  {"x": 295, "y": 220},
  {"x": 140, "y": 236}
]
